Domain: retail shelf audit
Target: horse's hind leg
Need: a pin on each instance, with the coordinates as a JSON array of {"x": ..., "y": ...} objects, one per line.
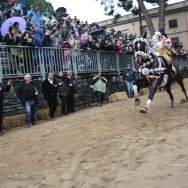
[
  {"x": 179, "y": 79},
  {"x": 168, "y": 90}
]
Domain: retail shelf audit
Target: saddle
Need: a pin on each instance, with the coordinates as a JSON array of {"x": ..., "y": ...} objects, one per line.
[{"x": 166, "y": 54}]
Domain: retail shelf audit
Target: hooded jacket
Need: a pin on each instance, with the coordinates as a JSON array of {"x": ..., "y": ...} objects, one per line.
[{"x": 39, "y": 36}]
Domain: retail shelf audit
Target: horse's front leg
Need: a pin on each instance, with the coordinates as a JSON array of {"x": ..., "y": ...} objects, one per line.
[
  {"x": 137, "y": 100},
  {"x": 152, "y": 91}
]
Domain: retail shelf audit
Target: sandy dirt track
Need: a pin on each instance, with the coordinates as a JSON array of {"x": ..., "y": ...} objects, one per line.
[{"x": 113, "y": 146}]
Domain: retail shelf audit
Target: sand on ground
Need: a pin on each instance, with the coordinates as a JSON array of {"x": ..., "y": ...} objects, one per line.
[{"x": 113, "y": 146}]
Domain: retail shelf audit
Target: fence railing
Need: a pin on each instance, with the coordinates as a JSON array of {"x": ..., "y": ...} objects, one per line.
[{"x": 15, "y": 61}]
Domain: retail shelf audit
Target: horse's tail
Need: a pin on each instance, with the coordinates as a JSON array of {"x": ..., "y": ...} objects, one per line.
[
  {"x": 178, "y": 71},
  {"x": 179, "y": 79}
]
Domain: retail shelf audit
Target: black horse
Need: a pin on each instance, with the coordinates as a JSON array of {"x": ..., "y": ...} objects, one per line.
[{"x": 154, "y": 73}]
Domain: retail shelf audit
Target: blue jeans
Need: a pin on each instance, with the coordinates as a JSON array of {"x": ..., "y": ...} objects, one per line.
[
  {"x": 129, "y": 88},
  {"x": 30, "y": 112}
]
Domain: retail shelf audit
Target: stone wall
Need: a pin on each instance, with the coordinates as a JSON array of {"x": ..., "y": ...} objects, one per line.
[{"x": 14, "y": 111}]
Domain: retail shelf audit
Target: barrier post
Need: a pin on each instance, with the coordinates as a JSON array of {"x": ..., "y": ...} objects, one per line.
[
  {"x": 117, "y": 63},
  {"x": 74, "y": 64},
  {"x": 1, "y": 71},
  {"x": 98, "y": 62},
  {"x": 41, "y": 62}
]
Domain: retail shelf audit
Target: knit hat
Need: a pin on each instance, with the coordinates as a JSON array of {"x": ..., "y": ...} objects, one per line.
[{"x": 161, "y": 30}]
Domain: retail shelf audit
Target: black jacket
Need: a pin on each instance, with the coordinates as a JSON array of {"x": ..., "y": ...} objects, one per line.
[
  {"x": 71, "y": 83},
  {"x": 62, "y": 86},
  {"x": 47, "y": 41},
  {"x": 10, "y": 41},
  {"x": 3, "y": 88},
  {"x": 49, "y": 89},
  {"x": 129, "y": 75},
  {"x": 28, "y": 92}
]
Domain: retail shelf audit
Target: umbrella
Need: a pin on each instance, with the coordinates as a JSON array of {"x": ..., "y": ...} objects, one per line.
[
  {"x": 97, "y": 32},
  {"x": 9, "y": 22},
  {"x": 61, "y": 10}
]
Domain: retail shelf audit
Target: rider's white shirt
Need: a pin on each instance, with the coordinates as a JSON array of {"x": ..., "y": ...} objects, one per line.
[
  {"x": 159, "y": 44},
  {"x": 155, "y": 40}
]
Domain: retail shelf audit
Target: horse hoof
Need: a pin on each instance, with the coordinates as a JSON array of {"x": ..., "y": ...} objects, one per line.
[
  {"x": 184, "y": 101},
  {"x": 137, "y": 102},
  {"x": 144, "y": 110}
]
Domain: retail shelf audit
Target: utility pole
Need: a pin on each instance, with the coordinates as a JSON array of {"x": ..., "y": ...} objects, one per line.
[{"x": 140, "y": 21}]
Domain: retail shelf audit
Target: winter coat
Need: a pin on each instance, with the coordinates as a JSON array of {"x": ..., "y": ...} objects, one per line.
[
  {"x": 55, "y": 40},
  {"x": 10, "y": 40},
  {"x": 71, "y": 83},
  {"x": 100, "y": 84},
  {"x": 47, "y": 41},
  {"x": 62, "y": 86},
  {"x": 28, "y": 92},
  {"x": 39, "y": 36},
  {"x": 3, "y": 88},
  {"x": 129, "y": 75},
  {"x": 49, "y": 89}
]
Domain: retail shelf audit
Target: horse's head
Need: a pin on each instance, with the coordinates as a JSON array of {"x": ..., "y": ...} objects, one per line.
[{"x": 140, "y": 44}]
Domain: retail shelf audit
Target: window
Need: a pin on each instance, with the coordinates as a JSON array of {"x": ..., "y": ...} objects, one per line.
[
  {"x": 173, "y": 23},
  {"x": 126, "y": 31}
]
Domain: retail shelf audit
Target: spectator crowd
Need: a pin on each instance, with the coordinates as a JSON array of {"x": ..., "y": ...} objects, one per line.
[
  {"x": 179, "y": 51},
  {"x": 60, "y": 30}
]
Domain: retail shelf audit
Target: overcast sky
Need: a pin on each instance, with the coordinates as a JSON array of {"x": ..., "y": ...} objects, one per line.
[{"x": 87, "y": 10}]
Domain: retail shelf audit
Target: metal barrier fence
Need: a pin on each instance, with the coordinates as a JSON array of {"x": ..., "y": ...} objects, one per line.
[{"x": 15, "y": 61}]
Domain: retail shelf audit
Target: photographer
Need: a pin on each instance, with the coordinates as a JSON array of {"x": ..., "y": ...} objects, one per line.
[{"x": 100, "y": 87}]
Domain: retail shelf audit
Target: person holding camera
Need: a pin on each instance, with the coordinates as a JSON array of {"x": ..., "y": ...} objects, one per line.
[{"x": 100, "y": 87}]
